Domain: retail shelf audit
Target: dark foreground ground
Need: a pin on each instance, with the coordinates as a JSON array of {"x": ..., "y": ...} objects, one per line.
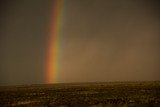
[{"x": 113, "y": 94}]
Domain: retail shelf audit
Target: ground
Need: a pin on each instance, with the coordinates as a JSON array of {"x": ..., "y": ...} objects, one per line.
[{"x": 104, "y": 94}]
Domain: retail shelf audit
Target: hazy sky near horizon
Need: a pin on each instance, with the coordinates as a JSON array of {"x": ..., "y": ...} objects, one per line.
[{"x": 102, "y": 40}]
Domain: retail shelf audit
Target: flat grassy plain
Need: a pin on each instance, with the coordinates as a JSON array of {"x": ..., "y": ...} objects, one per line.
[{"x": 106, "y": 94}]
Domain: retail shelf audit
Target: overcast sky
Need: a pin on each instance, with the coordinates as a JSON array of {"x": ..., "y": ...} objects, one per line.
[{"x": 102, "y": 40}]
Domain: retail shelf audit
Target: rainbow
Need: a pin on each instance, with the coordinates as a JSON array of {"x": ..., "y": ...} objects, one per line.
[{"x": 53, "y": 51}]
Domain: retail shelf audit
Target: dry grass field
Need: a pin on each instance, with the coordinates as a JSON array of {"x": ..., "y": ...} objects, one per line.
[{"x": 109, "y": 94}]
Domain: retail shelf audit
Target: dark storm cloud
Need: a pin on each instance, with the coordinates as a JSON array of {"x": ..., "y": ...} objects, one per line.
[
  {"x": 108, "y": 40},
  {"x": 24, "y": 27},
  {"x": 103, "y": 40}
]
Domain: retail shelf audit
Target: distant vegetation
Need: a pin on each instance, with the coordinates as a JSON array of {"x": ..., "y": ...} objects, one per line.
[{"x": 110, "y": 94}]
